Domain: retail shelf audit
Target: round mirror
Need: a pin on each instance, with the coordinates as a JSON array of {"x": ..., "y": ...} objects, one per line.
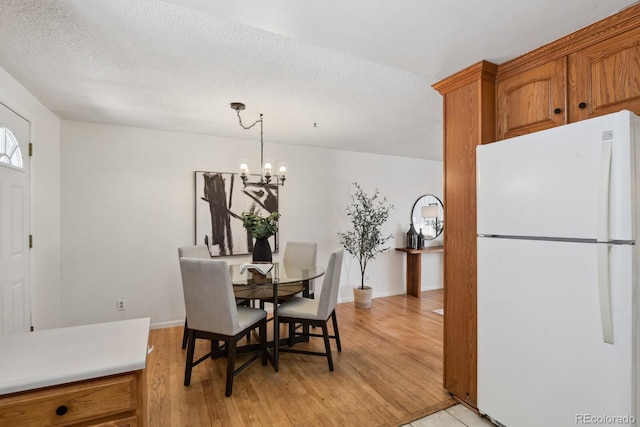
[{"x": 427, "y": 215}]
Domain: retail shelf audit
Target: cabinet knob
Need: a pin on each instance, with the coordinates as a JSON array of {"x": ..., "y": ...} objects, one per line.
[
  {"x": 582, "y": 105},
  {"x": 61, "y": 410},
  {"x": 557, "y": 110}
]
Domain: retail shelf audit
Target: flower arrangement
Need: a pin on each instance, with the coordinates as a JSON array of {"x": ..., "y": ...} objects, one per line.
[
  {"x": 260, "y": 227},
  {"x": 365, "y": 239}
]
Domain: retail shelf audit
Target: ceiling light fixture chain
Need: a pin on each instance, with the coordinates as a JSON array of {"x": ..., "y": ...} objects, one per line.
[{"x": 240, "y": 120}]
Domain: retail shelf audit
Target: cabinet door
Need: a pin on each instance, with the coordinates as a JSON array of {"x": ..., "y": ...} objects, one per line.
[
  {"x": 605, "y": 77},
  {"x": 532, "y": 100}
]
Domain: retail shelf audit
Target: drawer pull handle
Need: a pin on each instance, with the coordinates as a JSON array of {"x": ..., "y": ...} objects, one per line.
[
  {"x": 582, "y": 105},
  {"x": 557, "y": 111},
  {"x": 61, "y": 410}
]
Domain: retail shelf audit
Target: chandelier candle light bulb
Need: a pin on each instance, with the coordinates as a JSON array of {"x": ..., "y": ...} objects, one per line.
[
  {"x": 244, "y": 168},
  {"x": 267, "y": 169},
  {"x": 282, "y": 172}
]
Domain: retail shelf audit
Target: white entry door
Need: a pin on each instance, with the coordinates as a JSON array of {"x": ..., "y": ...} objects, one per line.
[{"x": 15, "y": 295}]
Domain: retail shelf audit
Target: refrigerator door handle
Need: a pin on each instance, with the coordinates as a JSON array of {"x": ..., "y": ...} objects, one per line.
[
  {"x": 604, "y": 290},
  {"x": 604, "y": 293},
  {"x": 602, "y": 232}
]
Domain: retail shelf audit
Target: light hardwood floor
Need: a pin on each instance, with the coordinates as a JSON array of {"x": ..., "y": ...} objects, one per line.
[{"x": 388, "y": 373}]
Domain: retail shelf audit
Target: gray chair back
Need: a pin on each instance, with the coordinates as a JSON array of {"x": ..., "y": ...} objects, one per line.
[
  {"x": 196, "y": 251},
  {"x": 209, "y": 308},
  {"x": 330, "y": 285},
  {"x": 300, "y": 254}
]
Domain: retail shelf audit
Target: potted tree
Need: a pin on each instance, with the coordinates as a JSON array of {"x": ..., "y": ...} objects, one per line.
[
  {"x": 365, "y": 240},
  {"x": 260, "y": 228}
]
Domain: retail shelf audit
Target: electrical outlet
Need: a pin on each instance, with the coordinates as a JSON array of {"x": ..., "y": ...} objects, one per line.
[
  {"x": 120, "y": 304},
  {"x": 366, "y": 278}
]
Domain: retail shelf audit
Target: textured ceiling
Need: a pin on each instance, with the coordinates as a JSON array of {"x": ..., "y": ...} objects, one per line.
[{"x": 328, "y": 73}]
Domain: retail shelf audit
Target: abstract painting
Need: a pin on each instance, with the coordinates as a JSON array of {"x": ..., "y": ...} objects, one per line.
[{"x": 220, "y": 200}]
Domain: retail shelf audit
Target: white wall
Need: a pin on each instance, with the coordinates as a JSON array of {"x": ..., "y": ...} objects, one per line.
[
  {"x": 45, "y": 201},
  {"x": 128, "y": 204}
]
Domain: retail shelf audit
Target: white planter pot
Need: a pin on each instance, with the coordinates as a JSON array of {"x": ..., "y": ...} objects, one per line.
[{"x": 362, "y": 297}]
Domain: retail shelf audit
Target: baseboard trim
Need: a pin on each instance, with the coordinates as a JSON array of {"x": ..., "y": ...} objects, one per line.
[{"x": 168, "y": 324}]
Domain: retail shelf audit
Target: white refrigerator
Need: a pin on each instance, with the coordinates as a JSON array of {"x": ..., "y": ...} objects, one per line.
[{"x": 557, "y": 271}]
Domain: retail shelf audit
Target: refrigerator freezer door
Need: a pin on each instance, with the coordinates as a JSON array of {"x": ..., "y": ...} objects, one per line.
[
  {"x": 561, "y": 183},
  {"x": 542, "y": 360}
]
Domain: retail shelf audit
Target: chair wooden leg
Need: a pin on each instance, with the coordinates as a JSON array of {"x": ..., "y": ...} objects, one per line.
[
  {"x": 248, "y": 303},
  {"x": 215, "y": 344},
  {"x": 327, "y": 345},
  {"x": 335, "y": 330},
  {"x": 262, "y": 332},
  {"x": 292, "y": 333},
  {"x": 231, "y": 363},
  {"x": 189, "y": 363},
  {"x": 185, "y": 334}
]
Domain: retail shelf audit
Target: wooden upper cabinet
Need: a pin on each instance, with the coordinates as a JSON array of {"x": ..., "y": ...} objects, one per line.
[
  {"x": 593, "y": 71},
  {"x": 532, "y": 100},
  {"x": 605, "y": 77}
]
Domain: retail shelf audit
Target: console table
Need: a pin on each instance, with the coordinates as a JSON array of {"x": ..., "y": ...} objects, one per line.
[{"x": 414, "y": 268}]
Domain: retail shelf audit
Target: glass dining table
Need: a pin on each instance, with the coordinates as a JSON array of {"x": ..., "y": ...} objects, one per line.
[{"x": 281, "y": 282}]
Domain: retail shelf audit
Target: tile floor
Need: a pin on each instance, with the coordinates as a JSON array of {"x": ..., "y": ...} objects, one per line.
[{"x": 456, "y": 416}]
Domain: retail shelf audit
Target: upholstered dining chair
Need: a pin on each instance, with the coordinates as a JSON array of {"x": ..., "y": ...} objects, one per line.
[
  {"x": 214, "y": 315},
  {"x": 194, "y": 251},
  {"x": 199, "y": 251},
  {"x": 315, "y": 312},
  {"x": 301, "y": 254}
]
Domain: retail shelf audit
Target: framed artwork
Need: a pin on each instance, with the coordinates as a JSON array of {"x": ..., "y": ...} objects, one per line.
[{"x": 220, "y": 200}]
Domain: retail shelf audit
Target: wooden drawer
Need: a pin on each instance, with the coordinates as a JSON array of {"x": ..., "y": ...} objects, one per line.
[
  {"x": 123, "y": 422},
  {"x": 74, "y": 403}
]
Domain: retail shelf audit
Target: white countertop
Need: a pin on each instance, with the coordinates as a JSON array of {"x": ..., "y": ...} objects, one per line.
[{"x": 58, "y": 356}]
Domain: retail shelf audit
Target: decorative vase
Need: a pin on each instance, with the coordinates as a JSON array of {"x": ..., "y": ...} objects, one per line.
[
  {"x": 362, "y": 296},
  {"x": 412, "y": 238},
  {"x": 420, "y": 240},
  {"x": 262, "y": 251}
]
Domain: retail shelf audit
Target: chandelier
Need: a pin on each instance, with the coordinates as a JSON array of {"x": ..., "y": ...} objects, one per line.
[{"x": 266, "y": 173}]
